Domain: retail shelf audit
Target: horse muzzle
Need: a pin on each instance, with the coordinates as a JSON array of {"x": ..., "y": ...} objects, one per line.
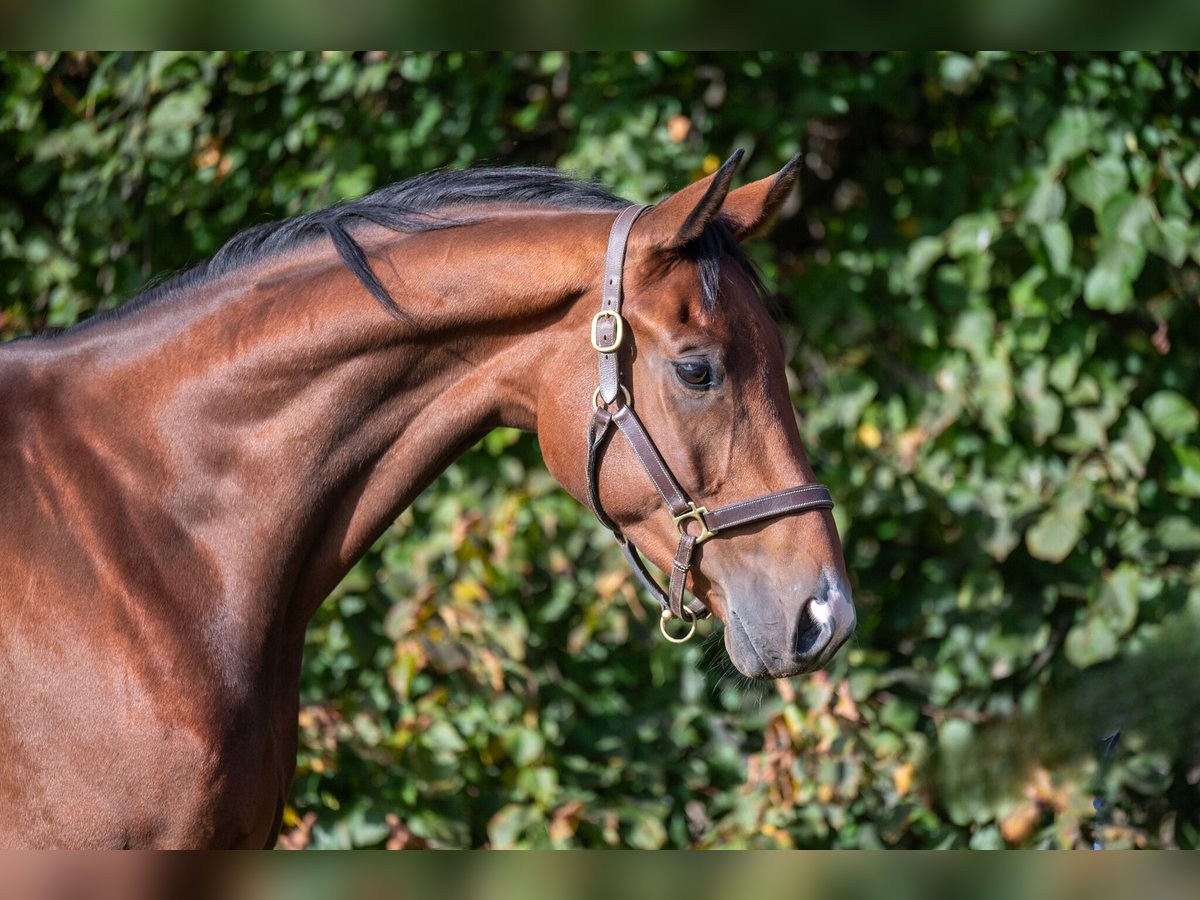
[{"x": 777, "y": 636}]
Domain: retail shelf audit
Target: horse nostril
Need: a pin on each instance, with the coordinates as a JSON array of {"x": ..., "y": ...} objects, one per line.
[{"x": 813, "y": 627}]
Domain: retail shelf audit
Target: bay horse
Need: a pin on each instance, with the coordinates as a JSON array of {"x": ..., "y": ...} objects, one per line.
[{"x": 186, "y": 477}]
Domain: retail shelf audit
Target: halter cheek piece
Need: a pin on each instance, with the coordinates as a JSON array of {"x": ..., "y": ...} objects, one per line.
[{"x": 696, "y": 524}]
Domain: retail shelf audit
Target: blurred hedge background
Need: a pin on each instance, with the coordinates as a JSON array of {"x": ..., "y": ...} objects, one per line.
[{"x": 990, "y": 284}]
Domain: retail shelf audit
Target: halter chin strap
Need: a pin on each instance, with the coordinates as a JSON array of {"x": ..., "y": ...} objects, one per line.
[{"x": 613, "y": 407}]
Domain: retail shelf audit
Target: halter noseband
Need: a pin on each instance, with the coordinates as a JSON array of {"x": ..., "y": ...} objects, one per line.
[{"x": 608, "y": 331}]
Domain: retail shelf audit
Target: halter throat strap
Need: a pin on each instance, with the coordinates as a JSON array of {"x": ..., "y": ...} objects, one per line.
[{"x": 614, "y": 412}]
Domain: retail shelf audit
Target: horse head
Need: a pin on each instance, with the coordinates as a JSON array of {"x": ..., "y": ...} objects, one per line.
[{"x": 700, "y": 375}]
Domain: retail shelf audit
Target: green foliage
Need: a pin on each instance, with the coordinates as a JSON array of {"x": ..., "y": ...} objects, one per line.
[{"x": 991, "y": 287}]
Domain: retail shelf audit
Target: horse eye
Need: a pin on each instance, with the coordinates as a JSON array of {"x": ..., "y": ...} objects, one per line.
[{"x": 694, "y": 374}]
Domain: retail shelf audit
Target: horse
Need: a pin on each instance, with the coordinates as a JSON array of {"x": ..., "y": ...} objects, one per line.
[{"x": 188, "y": 476}]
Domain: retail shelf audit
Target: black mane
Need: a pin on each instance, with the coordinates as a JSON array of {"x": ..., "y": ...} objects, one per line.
[{"x": 422, "y": 204}]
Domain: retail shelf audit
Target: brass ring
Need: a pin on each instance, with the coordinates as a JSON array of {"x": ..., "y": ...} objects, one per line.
[
  {"x": 667, "y": 615},
  {"x": 624, "y": 390}
]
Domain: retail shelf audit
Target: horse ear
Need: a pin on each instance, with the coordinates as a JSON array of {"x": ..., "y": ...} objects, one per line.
[
  {"x": 749, "y": 209},
  {"x": 683, "y": 216}
]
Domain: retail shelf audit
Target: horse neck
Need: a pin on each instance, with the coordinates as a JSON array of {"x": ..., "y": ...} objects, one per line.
[{"x": 285, "y": 420}]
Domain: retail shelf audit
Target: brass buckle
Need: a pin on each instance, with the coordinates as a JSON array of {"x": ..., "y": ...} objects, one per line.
[
  {"x": 617, "y": 338},
  {"x": 697, "y": 513},
  {"x": 667, "y": 616},
  {"x": 624, "y": 390}
]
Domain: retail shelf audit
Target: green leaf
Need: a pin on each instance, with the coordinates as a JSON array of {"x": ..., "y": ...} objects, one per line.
[
  {"x": 647, "y": 833},
  {"x": 1172, "y": 415},
  {"x": 1135, "y": 443},
  {"x": 1106, "y": 288},
  {"x": 443, "y": 736},
  {"x": 179, "y": 110},
  {"x": 956, "y": 70},
  {"x": 1056, "y": 237},
  {"x": 1090, "y": 642},
  {"x": 1044, "y": 406},
  {"x": 524, "y": 745},
  {"x": 1117, "y": 600},
  {"x": 1058, "y": 529},
  {"x": 1064, "y": 370},
  {"x": 1191, "y": 172},
  {"x": 1047, "y": 202},
  {"x": 1178, "y": 533},
  {"x": 973, "y": 332},
  {"x": 1096, "y": 183},
  {"x": 1173, "y": 236},
  {"x": 1129, "y": 219},
  {"x": 507, "y": 826},
  {"x": 1023, "y": 293},
  {"x": 1186, "y": 480},
  {"x": 1075, "y": 131},
  {"x": 922, "y": 254},
  {"x": 995, "y": 392},
  {"x": 972, "y": 234}
]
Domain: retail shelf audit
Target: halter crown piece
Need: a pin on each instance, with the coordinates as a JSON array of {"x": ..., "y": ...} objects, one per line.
[{"x": 613, "y": 406}]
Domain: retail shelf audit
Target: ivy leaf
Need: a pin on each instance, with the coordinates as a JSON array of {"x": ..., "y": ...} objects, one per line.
[
  {"x": 1191, "y": 172},
  {"x": 1186, "y": 479},
  {"x": 922, "y": 254},
  {"x": 1112, "y": 614},
  {"x": 1135, "y": 443},
  {"x": 1056, "y": 237},
  {"x": 972, "y": 234},
  {"x": 1044, "y": 406},
  {"x": 1058, "y": 529},
  {"x": 507, "y": 825},
  {"x": 1117, "y": 599},
  {"x": 1171, "y": 414},
  {"x": 973, "y": 332},
  {"x": 1089, "y": 643},
  {"x": 647, "y": 833},
  {"x": 1106, "y": 288},
  {"x": 1170, "y": 239},
  {"x": 1075, "y": 131},
  {"x": 1178, "y": 533},
  {"x": 1047, "y": 202},
  {"x": 1098, "y": 182},
  {"x": 524, "y": 745}
]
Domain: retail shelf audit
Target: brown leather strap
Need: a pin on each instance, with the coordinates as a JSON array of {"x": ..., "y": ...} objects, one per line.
[
  {"x": 696, "y": 607},
  {"x": 768, "y": 506},
  {"x": 635, "y": 433},
  {"x": 679, "y": 573},
  {"x": 597, "y": 436},
  {"x": 608, "y": 328}
]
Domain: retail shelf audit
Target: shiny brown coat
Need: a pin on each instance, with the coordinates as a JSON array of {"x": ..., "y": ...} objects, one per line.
[{"x": 180, "y": 488}]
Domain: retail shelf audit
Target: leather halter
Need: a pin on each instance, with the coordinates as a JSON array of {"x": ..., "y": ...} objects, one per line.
[{"x": 608, "y": 331}]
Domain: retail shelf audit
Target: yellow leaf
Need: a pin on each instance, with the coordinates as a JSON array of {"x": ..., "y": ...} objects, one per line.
[
  {"x": 869, "y": 436},
  {"x": 845, "y": 706},
  {"x": 793, "y": 721},
  {"x": 468, "y": 590},
  {"x": 1018, "y": 825},
  {"x": 902, "y": 778},
  {"x": 609, "y": 583}
]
